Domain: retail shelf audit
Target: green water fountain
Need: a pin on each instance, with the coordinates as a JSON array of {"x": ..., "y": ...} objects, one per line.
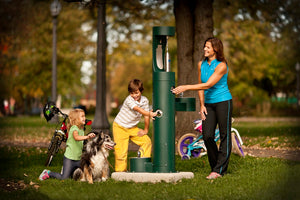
[{"x": 165, "y": 104}]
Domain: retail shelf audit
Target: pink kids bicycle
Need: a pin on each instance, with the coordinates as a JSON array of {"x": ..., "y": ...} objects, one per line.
[{"x": 192, "y": 145}]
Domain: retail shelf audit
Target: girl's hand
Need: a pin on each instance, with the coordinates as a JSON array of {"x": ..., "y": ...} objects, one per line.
[
  {"x": 203, "y": 113},
  {"x": 91, "y": 135},
  {"x": 141, "y": 133}
]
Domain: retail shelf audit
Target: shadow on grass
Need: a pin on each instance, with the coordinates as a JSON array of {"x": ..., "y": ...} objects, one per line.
[{"x": 18, "y": 180}]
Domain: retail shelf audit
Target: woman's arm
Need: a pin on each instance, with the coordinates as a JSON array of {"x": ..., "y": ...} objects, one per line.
[
  {"x": 220, "y": 70},
  {"x": 200, "y": 92},
  {"x": 203, "y": 111}
]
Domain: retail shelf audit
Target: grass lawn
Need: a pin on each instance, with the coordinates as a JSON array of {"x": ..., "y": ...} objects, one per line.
[{"x": 247, "y": 178}]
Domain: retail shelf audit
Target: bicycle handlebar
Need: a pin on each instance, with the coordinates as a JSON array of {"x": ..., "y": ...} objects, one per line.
[{"x": 63, "y": 114}]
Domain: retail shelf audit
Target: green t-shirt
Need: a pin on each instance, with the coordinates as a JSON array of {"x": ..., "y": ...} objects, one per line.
[{"x": 74, "y": 148}]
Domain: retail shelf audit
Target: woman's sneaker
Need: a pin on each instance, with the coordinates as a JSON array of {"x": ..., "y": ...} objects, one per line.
[{"x": 44, "y": 175}]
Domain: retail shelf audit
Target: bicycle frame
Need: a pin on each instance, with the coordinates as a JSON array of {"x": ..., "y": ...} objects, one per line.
[
  {"x": 63, "y": 128},
  {"x": 197, "y": 144},
  {"x": 238, "y": 135}
]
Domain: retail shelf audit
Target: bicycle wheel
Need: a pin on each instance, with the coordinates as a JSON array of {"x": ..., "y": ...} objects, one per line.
[
  {"x": 236, "y": 145},
  {"x": 51, "y": 151},
  {"x": 182, "y": 145}
]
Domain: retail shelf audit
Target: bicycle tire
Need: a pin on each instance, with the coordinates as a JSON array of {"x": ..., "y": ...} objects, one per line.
[
  {"x": 184, "y": 141},
  {"x": 51, "y": 151},
  {"x": 236, "y": 145}
]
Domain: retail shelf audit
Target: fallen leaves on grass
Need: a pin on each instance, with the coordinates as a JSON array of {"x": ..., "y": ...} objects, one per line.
[{"x": 10, "y": 185}]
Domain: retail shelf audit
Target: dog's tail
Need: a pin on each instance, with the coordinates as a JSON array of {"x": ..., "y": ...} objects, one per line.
[{"x": 77, "y": 175}]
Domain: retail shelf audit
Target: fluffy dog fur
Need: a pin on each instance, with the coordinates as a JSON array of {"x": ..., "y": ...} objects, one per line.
[{"x": 94, "y": 164}]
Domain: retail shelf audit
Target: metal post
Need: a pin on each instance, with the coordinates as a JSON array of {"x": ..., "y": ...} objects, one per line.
[
  {"x": 298, "y": 83},
  {"x": 167, "y": 59},
  {"x": 100, "y": 122},
  {"x": 54, "y": 61},
  {"x": 55, "y": 8}
]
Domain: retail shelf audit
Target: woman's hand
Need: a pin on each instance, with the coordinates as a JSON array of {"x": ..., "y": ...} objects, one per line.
[
  {"x": 179, "y": 89},
  {"x": 203, "y": 113}
]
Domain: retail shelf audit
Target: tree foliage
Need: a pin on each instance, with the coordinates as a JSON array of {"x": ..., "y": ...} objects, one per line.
[
  {"x": 12, "y": 33},
  {"x": 257, "y": 36},
  {"x": 130, "y": 42},
  {"x": 32, "y": 43},
  {"x": 261, "y": 39}
]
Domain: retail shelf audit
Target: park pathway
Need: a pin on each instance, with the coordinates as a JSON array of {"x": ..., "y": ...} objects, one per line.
[{"x": 289, "y": 154}]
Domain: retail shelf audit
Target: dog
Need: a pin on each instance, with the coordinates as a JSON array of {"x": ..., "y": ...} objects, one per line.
[{"x": 94, "y": 163}]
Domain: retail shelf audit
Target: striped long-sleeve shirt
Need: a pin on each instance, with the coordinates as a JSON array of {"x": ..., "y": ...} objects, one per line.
[{"x": 127, "y": 117}]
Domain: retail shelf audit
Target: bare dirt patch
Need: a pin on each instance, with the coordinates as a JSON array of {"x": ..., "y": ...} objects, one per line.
[
  {"x": 282, "y": 151},
  {"x": 255, "y": 151},
  {"x": 288, "y": 154}
]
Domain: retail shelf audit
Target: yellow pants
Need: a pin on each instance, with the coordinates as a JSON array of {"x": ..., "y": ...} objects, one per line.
[{"x": 121, "y": 138}]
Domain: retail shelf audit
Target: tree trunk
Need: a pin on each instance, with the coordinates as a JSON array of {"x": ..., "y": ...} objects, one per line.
[{"x": 194, "y": 24}]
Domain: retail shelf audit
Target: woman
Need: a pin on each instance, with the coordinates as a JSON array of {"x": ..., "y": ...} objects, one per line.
[{"x": 215, "y": 105}]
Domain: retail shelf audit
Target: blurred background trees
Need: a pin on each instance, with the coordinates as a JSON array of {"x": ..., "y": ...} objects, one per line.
[
  {"x": 261, "y": 39},
  {"x": 28, "y": 39}
]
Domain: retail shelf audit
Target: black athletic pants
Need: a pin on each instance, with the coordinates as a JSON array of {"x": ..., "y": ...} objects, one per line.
[{"x": 218, "y": 113}]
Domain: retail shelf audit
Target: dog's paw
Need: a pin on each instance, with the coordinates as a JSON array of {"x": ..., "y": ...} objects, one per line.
[{"x": 103, "y": 179}]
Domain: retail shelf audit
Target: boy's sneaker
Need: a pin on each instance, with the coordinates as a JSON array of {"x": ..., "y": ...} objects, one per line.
[{"x": 44, "y": 175}]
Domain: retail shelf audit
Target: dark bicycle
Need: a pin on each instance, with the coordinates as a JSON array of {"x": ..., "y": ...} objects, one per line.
[{"x": 61, "y": 133}]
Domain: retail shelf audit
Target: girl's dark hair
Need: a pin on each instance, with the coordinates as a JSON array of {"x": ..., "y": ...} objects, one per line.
[
  {"x": 135, "y": 85},
  {"x": 217, "y": 45}
]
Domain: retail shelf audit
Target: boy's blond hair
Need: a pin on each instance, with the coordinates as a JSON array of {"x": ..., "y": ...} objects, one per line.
[{"x": 74, "y": 118}]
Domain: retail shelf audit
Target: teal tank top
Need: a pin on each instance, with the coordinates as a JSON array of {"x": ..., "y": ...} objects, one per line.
[
  {"x": 219, "y": 92},
  {"x": 74, "y": 148}
]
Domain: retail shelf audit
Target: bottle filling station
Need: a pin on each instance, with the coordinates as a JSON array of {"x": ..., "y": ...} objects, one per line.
[{"x": 165, "y": 104}]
